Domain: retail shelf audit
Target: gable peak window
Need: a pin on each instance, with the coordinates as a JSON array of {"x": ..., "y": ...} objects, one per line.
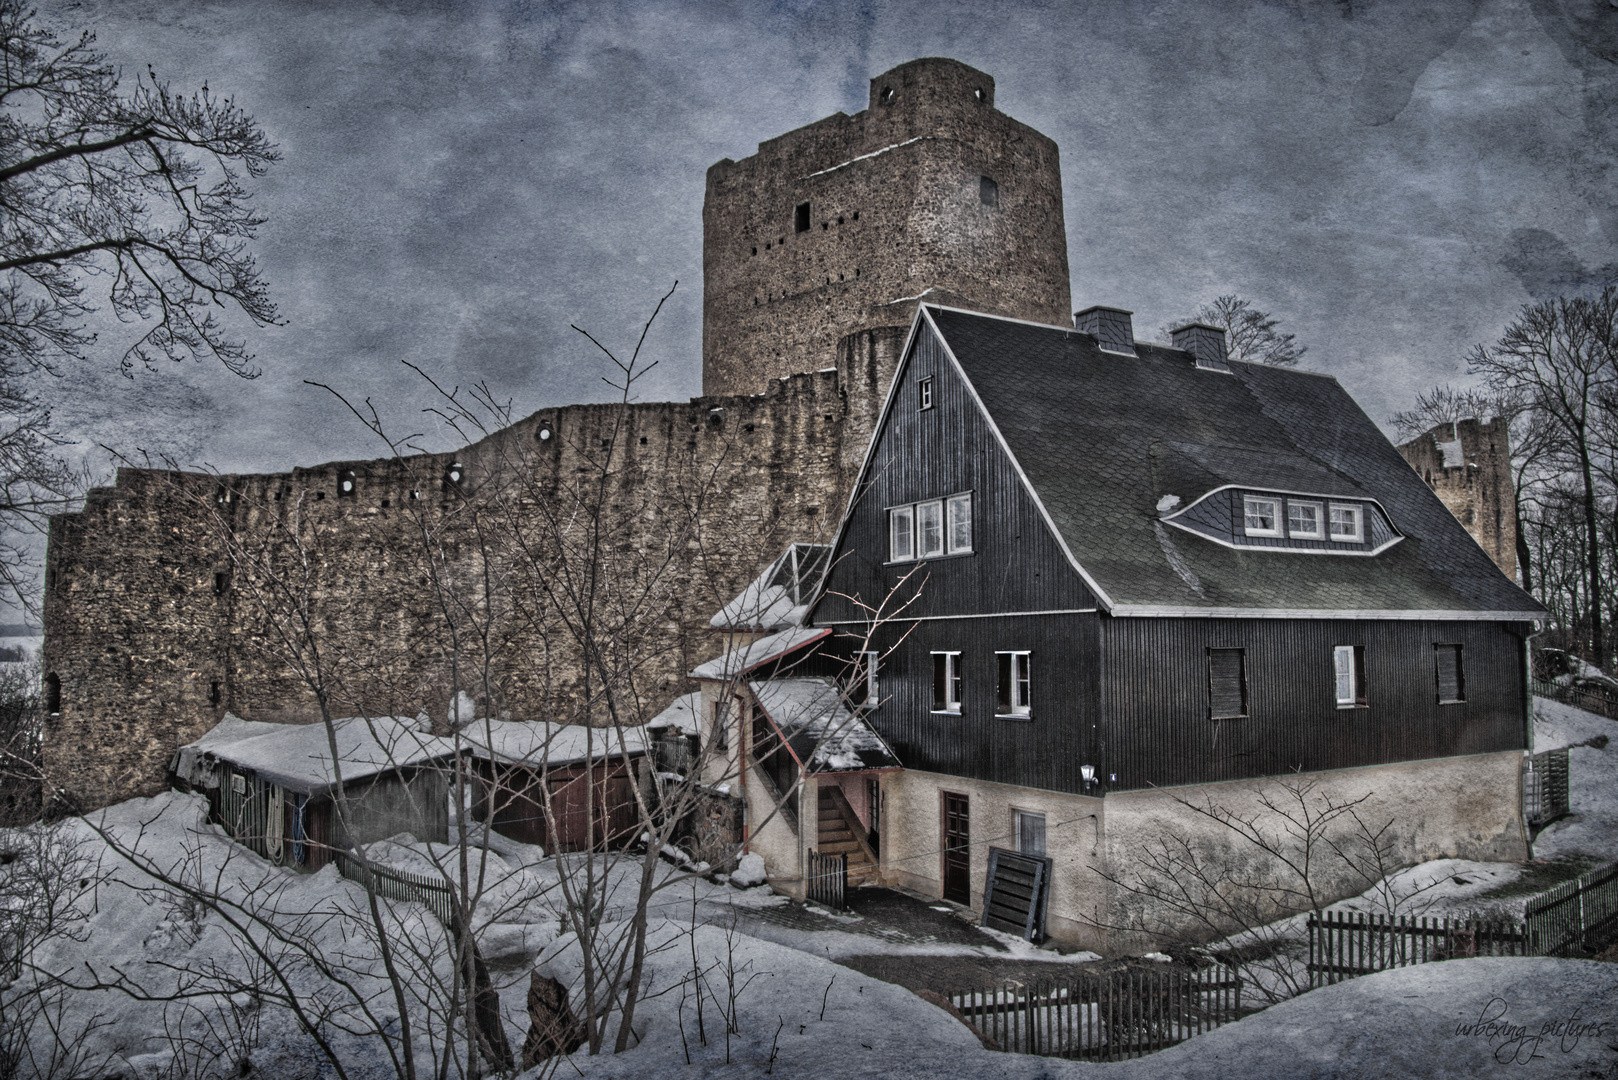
[
  {"x": 1261, "y": 516},
  {"x": 924, "y": 392},
  {"x": 1349, "y": 664},
  {"x": 946, "y": 682},
  {"x": 1012, "y": 693},
  {"x": 1347, "y": 522},
  {"x": 1451, "y": 670},
  {"x": 1227, "y": 683},
  {"x": 926, "y": 530}
]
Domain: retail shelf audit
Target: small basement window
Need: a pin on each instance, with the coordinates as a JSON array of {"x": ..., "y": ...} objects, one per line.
[
  {"x": 800, "y": 218},
  {"x": 1012, "y": 691},
  {"x": 947, "y": 682},
  {"x": 1451, "y": 674},
  {"x": 1030, "y": 833},
  {"x": 1261, "y": 517},
  {"x": 1227, "y": 683},
  {"x": 1349, "y": 661},
  {"x": 988, "y": 191}
]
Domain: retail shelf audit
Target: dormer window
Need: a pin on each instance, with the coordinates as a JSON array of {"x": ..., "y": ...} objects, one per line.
[
  {"x": 1303, "y": 520},
  {"x": 1262, "y": 516},
  {"x": 1347, "y": 523}
]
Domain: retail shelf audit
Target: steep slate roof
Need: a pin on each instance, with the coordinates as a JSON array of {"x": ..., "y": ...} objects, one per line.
[{"x": 1102, "y": 438}]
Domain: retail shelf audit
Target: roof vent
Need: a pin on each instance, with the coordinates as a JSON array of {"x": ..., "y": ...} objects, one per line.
[
  {"x": 1112, "y": 327},
  {"x": 1206, "y": 343}
]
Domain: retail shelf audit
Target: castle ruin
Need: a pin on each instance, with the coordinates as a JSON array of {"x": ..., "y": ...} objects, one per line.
[{"x": 172, "y": 598}]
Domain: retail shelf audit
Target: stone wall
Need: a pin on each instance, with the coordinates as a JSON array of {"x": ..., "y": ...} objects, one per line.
[
  {"x": 1468, "y": 466},
  {"x": 381, "y": 587},
  {"x": 930, "y": 190}
]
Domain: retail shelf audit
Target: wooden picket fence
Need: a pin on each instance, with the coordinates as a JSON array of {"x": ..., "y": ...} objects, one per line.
[
  {"x": 1348, "y": 944},
  {"x": 1106, "y": 1016},
  {"x": 1589, "y": 700},
  {"x": 438, "y": 897},
  {"x": 1576, "y": 915},
  {"x": 828, "y": 879}
]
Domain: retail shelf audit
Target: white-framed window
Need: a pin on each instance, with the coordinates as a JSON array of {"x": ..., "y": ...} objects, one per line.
[
  {"x": 960, "y": 524},
  {"x": 1303, "y": 521},
  {"x": 902, "y": 533},
  {"x": 1030, "y": 832},
  {"x": 1349, "y": 664},
  {"x": 1261, "y": 517},
  {"x": 1014, "y": 684},
  {"x": 862, "y": 690},
  {"x": 929, "y": 528},
  {"x": 1348, "y": 523},
  {"x": 924, "y": 392},
  {"x": 925, "y": 530},
  {"x": 946, "y": 682}
]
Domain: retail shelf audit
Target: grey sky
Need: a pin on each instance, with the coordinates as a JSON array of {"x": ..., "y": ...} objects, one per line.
[{"x": 463, "y": 180}]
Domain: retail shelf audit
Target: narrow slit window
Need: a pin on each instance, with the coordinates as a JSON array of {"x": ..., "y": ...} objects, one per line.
[
  {"x": 1012, "y": 693},
  {"x": 1227, "y": 683},
  {"x": 1349, "y": 662},
  {"x": 924, "y": 393},
  {"x": 947, "y": 682},
  {"x": 53, "y": 693},
  {"x": 1451, "y": 674},
  {"x": 800, "y": 218},
  {"x": 901, "y": 534},
  {"x": 960, "y": 524}
]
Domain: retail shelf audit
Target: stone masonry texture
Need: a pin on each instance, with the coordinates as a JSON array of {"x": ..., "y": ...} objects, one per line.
[{"x": 1474, "y": 481}]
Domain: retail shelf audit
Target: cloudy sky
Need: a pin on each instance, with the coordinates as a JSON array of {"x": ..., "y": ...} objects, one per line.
[{"x": 462, "y": 181}]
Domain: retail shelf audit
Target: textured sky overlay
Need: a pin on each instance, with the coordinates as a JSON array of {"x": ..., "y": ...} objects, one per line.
[{"x": 461, "y": 181}]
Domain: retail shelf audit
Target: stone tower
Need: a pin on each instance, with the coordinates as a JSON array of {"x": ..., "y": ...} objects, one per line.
[
  {"x": 840, "y": 226},
  {"x": 1467, "y": 463}
]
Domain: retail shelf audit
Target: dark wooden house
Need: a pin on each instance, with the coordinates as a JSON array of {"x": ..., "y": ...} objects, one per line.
[{"x": 1138, "y": 575}]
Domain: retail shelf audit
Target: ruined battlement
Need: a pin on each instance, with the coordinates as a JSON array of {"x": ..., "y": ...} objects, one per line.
[{"x": 1467, "y": 463}]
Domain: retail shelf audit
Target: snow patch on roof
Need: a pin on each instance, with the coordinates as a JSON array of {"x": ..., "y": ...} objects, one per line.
[
  {"x": 539, "y": 742},
  {"x": 780, "y": 596},
  {"x": 812, "y": 715},
  {"x": 682, "y": 715},
  {"x": 762, "y": 651},
  {"x": 298, "y": 756}
]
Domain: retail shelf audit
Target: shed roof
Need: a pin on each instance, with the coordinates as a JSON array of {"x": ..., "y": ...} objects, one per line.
[
  {"x": 539, "y": 742},
  {"x": 760, "y": 652},
  {"x": 1103, "y": 439},
  {"x": 823, "y": 732},
  {"x": 298, "y": 756}
]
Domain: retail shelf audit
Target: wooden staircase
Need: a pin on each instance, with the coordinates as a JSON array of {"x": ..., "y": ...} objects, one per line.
[{"x": 841, "y": 833}]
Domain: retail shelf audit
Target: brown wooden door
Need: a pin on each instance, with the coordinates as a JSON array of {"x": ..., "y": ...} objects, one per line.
[{"x": 957, "y": 850}]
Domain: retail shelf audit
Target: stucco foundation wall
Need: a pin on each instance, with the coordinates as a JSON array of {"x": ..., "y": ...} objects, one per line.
[
  {"x": 913, "y": 840},
  {"x": 1460, "y": 807},
  {"x": 772, "y": 836}
]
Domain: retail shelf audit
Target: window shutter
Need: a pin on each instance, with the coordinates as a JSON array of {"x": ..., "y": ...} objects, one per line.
[
  {"x": 1227, "y": 683},
  {"x": 1451, "y": 684}
]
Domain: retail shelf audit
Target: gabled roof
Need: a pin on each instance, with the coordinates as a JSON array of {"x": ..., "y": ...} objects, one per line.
[{"x": 1103, "y": 439}]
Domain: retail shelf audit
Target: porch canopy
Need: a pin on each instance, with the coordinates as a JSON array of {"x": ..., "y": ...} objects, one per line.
[
  {"x": 823, "y": 733},
  {"x": 298, "y": 757}
]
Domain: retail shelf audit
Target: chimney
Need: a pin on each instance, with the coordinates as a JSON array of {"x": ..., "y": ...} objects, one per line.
[
  {"x": 1111, "y": 326},
  {"x": 1206, "y": 343}
]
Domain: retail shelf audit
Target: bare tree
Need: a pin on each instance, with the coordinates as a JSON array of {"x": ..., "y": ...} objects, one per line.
[
  {"x": 145, "y": 190},
  {"x": 1250, "y": 335}
]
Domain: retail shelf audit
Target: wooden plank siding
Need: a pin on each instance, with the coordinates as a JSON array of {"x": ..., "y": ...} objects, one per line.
[
  {"x": 1016, "y": 564},
  {"x": 1155, "y": 697},
  {"x": 1043, "y": 750}
]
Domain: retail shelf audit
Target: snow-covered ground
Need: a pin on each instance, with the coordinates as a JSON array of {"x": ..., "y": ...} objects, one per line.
[{"x": 799, "y": 1013}]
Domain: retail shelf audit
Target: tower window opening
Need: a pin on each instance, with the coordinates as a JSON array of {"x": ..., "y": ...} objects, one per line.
[
  {"x": 755, "y": 249},
  {"x": 347, "y": 483},
  {"x": 53, "y": 693},
  {"x": 887, "y": 95},
  {"x": 825, "y": 225},
  {"x": 988, "y": 191},
  {"x": 214, "y": 694},
  {"x": 980, "y": 95},
  {"x": 221, "y": 582},
  {"x": 856, "y": 215},
  {"x": 840, "y": 221}
]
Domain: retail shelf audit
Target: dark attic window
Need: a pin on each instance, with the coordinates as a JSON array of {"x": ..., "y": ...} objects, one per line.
[
  {"x": 800, "y": 218},
  {"x": 988, "y": 191}
]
